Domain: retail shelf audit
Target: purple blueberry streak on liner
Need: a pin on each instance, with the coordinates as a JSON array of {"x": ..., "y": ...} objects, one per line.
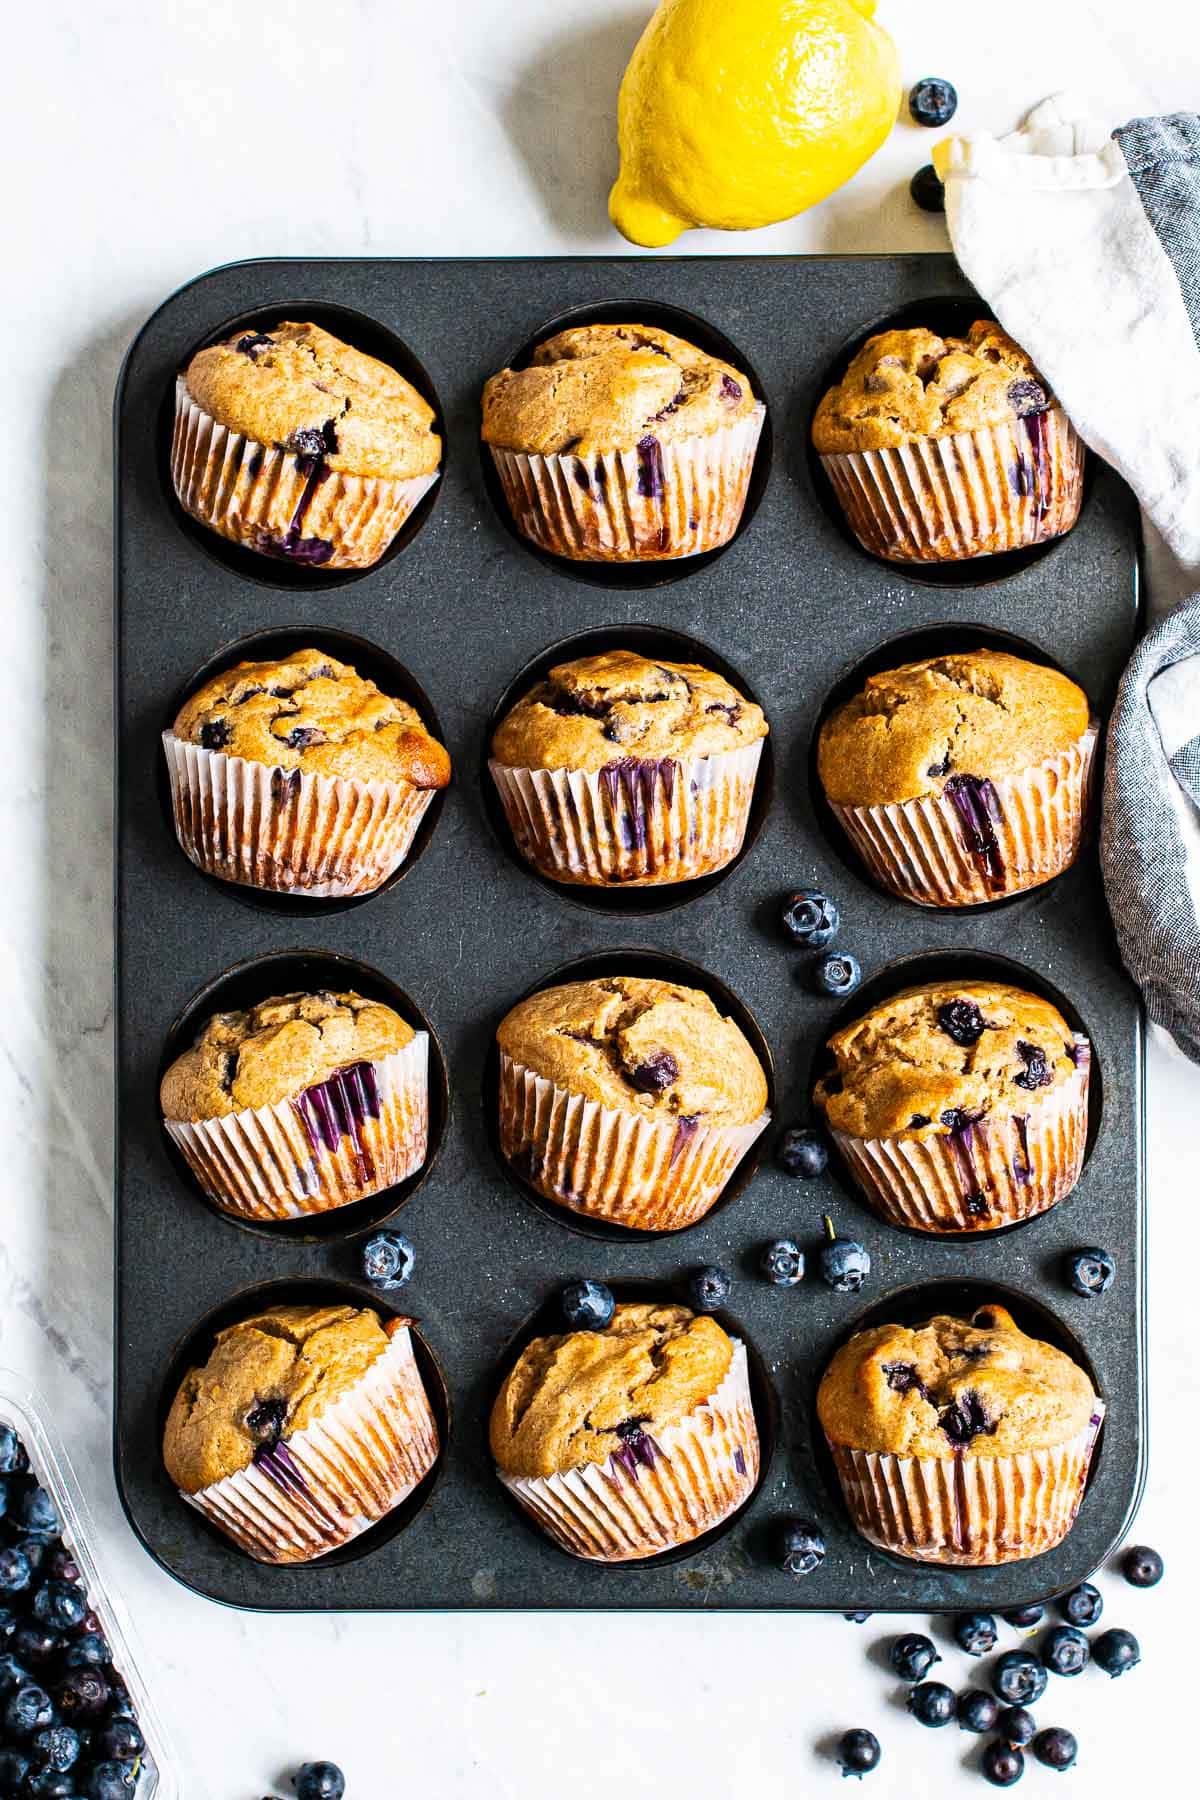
[
  {"x": 739, "y": 1461},
  {"x": 963, "y": 1127},
  {"x": 1022, "y": 1167},
  {"x": 977, "y": 804},
  {"x": 285, "y": 785},
  {"x": 650, "y": 468},
  {"x": 686, "y": 1127},
  {"x": 635, "y": 778},
  {"x": 637, "y": 1449},
  {"x": 337, "y": 1108}
]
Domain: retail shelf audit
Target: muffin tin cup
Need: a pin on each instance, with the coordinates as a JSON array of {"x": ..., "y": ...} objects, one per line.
[
  {"x": 644, "y": 1173},
  {"x": 658, "y": 1492},
  {"x": 653, "y": 503},
  {"x": 636, "y": 822},
  {"x": 970, "y": 493},
  {"x": 280, "y": 504},
  {"x": 995, "y": 1172},
  {"x": 923, "y": 850},
  {"x": 321, "y": 1487},
  {"x": 274, "y": 1162},
  {"x": 965, "y": 1511}
]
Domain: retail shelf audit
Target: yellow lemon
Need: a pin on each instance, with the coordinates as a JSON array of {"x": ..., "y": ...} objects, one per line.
[{"x": 737, "y": 113}]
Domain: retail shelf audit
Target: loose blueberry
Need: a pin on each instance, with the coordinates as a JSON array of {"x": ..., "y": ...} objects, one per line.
[
  {"x": 14, "y": 1767},
  {"x": 977, "y": 1711},
  {"x": 1142, "y": 1567},
  {"x": 782, "y": 1262},
  {"x": 319, "y": 1781},
  {"x": 859, "y": 1752},
  {"x": 13, "y": 1460},
  {"x": 927, "y": 190},
  {"x": 8, "y": 1624},
  {"x": 799, "y": 1546},
  {"x": 13, "y": 1673},
  {"x": 975, "y": 1633},
  {"x": 587, "y": 1305},
  {"x": 912, "y": 1656},
  {"x": 27, "y": 1710},
  {"x": 82, "y": 1694},
  {"x": 811, "y": 918},
  {"x": 122, "y": 1740},
  {"x": 1018, "y": 1678},
  {"x": 388, "y": 1259},
  {"x": 931, "y": 1703},
  {"x": 1082, "y": 1606},
  {"x": 932, "y": 101},
  {"x": 52, "y": 1784},
  {"x": 56, "y": 1747},
  {"x": 856, "y": 1618},
  {"x": 1090, "y": 1272},
  {"x": 845, "y": 1264},
  {"x": 15, "y": 1572},
  {"x": 88, "y": 1651},
  {"x": 1002, "y": 1765},
  {"x": 1115, "y": 1651},
  {"x": 1024, "y": 1617},
  {"x": 1055, "y": 1747},
  {"x": 35, "y": 1643},
  {"x": 708, "y": 1287},
  {"x": 838, "y": 974},
  {"x": 60, "y": 1604},
  {"x": 1016, "y": 1726},
  {"x": 60, "y": 1565},
  {"x": 1065, "y": 1651},
  {"x": 802, "y": 1153},
  {"x": 111, "y": 1781},
  {"x": 962, "y": 1022}
]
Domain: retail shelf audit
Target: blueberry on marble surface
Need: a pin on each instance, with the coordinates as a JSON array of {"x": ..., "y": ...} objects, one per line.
[
  {"x": 587, "y": 1305},
  {"x": 932, "y": 101},
  {"x": 1116, "y": 1651},
  {"x": 13, "y": 1460},
  {"x": 811, "y": 918},
  {"x": 708, "y": 1287},
  {"x": 1055, "y": 1747},
  {"x": 932, "y": 1703},
  {"x": 1090, "y": 1272},
  {"x": 837, "y": 974},
  {"x": 802, "y": 1152},
  {"x": 319, "y": 1781},
  {"x": 1018, "y": 1678},
  {"x": 1082, "y": 1606},
  {"x": 798, "y": 1546},
  {"x": 913, "y": 1655},
  {"x": 782, "y": 1262},
  {"x": 977, "y": 1711},
  {"x": 975, "y": 1632},
  {"x": 1141, "y": 1566},
  {"x": 388, "y": 1259},
  {"x": 1065, "y": 1651},
  {"x": 858, "y": 1752},
  {"x": 844, "y": 1263},
  {"x": 1016, "y": 1726},
  {"x": 927, "y": 190},
  {"x": 1002, "y": 1764}
]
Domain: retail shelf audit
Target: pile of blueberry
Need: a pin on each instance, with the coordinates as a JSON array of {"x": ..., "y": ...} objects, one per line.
[{"x": 67, "y": 1725}]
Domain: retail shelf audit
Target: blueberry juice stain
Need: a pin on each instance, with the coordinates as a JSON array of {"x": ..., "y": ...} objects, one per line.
[
  {"x": 964, "y": 1128},
  {"x": 339, "y": 1108},
  {"x": 975, "y": 800},
  {"x": 638, "y": 1449},
  {"x": 632, "y": 780}
]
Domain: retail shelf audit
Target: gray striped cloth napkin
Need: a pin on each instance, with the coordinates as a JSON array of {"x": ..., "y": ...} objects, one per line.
[{"x": 1087, "y": 247}]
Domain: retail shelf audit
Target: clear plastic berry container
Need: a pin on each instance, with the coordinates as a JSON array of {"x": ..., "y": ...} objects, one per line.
[{"x": 23, "y": 1410}]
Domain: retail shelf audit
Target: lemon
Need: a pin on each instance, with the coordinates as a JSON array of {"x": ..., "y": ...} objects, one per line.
[{"x": 737, "y": 113}]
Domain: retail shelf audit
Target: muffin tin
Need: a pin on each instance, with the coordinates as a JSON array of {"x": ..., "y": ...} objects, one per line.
[{"x": 463, "y": 605}]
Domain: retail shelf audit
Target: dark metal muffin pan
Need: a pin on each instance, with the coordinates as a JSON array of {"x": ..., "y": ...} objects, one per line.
[{"x": 463, "y": 605}]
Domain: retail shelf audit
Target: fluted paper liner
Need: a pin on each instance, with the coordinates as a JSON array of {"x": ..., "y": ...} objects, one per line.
[
  {"x": 660, "y": 500},
  {"x": 967, "y": 1511},
  {"x": 637, "y": 822},
  {"x": 661, "y": 1491},
  {"x": 276, "y": 502},
  {"x": 263, "y": 1163},
  {"x": 324, "y": 1485},
  {"x": 286, "y": 830},
  {"x": 921, "y": 850},
  {"x": 969, "y": 493},
  {"x": 648, "y": 1174},
  {"x": 995, "y": 1171}
]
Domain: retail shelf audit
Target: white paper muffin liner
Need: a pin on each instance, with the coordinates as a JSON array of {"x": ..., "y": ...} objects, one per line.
[
  {"x": 660, "y": 500},
  {"x": 322, "y": 1486},
  {"x": 286, "y": 830},
  {"x": 970, "y": 493},
  {"x": 273, "y": 501},
  {"x": 967, "y": 1511},
  {"x": 659, "y": 1492},
  {"x": 1000, "y": 1169},
  {"x": 267, "y": 1162},
  {"x": 923, "y": 850},
  {"x": 637, "y": 822},
  {"x": 647, "y": 1174}
]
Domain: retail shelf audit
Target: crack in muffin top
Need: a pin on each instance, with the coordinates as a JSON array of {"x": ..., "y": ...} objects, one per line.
[
  {"x": 267, "y": 1378},
  {"x": 977, "y": 1387},
  {"x": 594, "y": 711},
  {"x": 298, "y": 388},
  {"x": 979, "y": 712},
  {"x": 276, "y": 1050},
  {"x": 565, "y": 1399},
  {"x": 641, "y": 1046},
  {"x": 596, "y": 388},
  {"x": 905, "y": 385},
  {"x": 309, "y": 712},
  {"x": 944, "y": 1057}
]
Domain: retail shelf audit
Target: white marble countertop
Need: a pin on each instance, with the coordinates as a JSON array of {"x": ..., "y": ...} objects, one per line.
[{"x": 144, "y": 144}]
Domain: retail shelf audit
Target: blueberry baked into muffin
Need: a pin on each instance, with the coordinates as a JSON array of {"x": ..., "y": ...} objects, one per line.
[
  {"x": 306, "y": 1425},
  {"x": 299, "y": 1104},
  {"x": 623, "y": 443},
  {"x": 959, "y": 1441},
  {"x": 628, "y": 1099},
  {"x": 625, "y": 1442},
  {"x": 617, "y": 770},
  {"x": 298, "y": 446},
  {"x": 959, "y": 1106},
  {"x": 942, "y": 448},
  {"x": 300, "y": 777},
  {"x": 963, "y": 778}
]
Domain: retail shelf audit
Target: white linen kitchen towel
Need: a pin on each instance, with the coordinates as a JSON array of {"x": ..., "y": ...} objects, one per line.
[{"x": 1087, "y": 248}]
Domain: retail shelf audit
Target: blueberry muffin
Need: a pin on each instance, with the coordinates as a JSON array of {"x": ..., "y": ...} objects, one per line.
[
  {"x": 298, "y": 446},
  {"x": 623, "y": 443},
  {"x": 625, "y": 1442},
  {"x": 628, "y": 1099},
  {"x": 620, "y": 771},
  {"x": 302, "y": 1103},
  {"x": 300, "y": 777},
  {"x": 942, "y": 448},
  {"x": 959, "y": 1441},
  {"x": 306, "y": 1425},
  {"x": 963, "y": 778},
  {"x": 959, "y": 1106}
]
